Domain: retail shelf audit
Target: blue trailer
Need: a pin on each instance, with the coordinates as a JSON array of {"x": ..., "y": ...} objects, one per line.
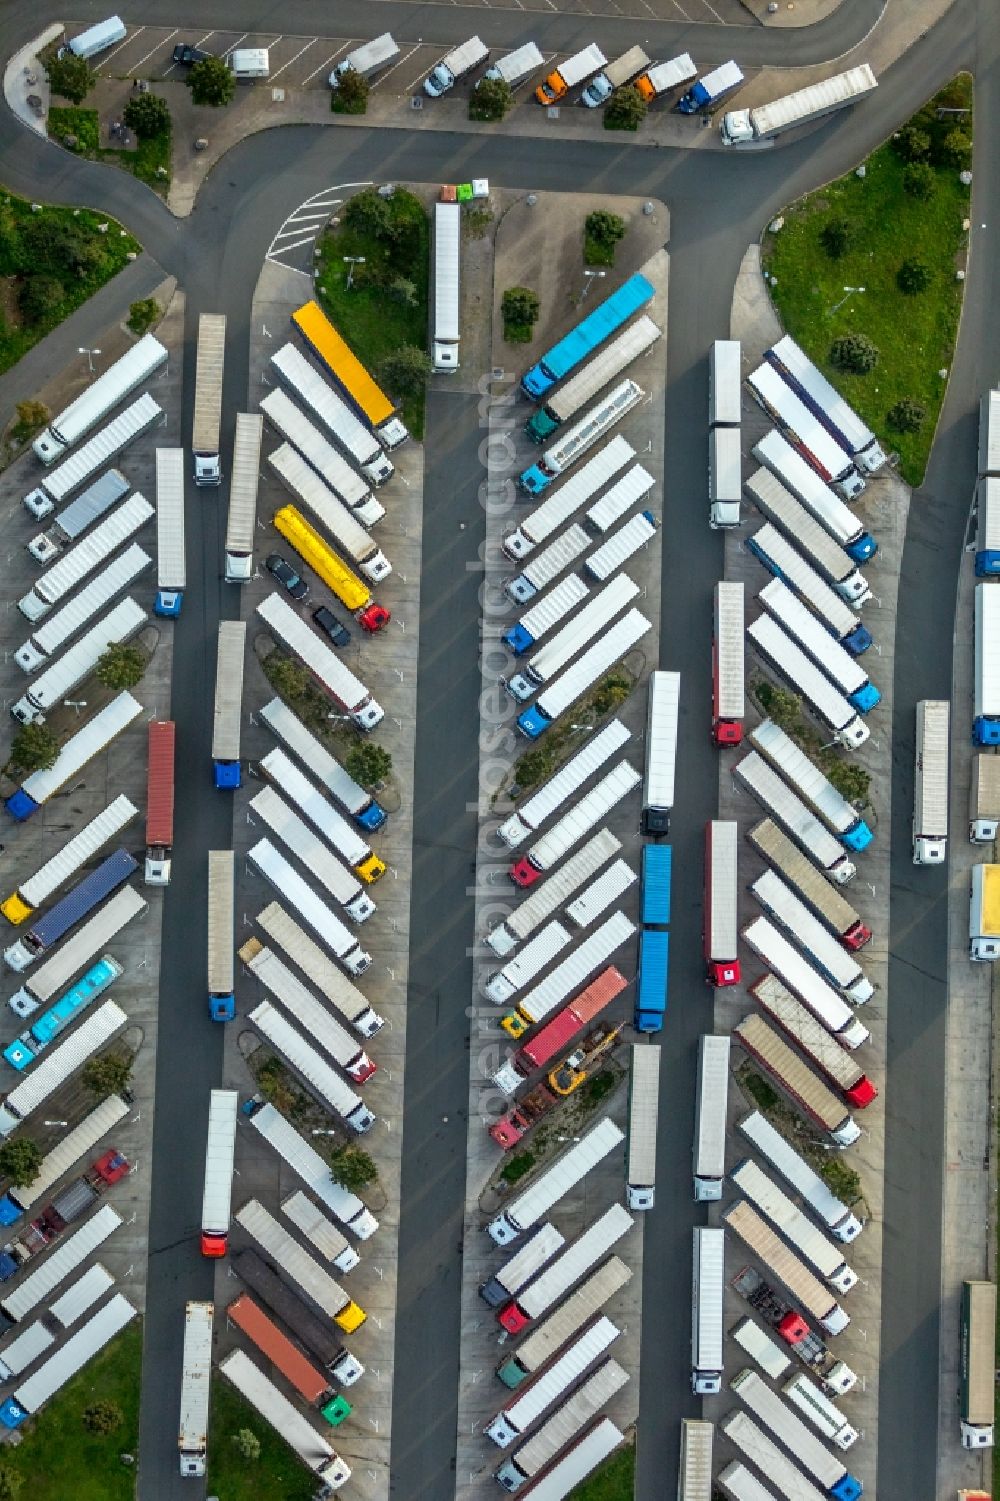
[
  {"x": 656, "y": 864},
  {"x": 24, "y": 1049},
  {"x": 77, "y": 904},
  {"x": 599, "y": 325},
  {"x": 651, "y": 984}
]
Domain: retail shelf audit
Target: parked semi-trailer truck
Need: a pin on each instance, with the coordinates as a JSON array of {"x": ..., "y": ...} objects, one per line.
[
  {"x": 79, "y": 515},
  {"x": 294, "y": 427},
  {"x": 827, "y": 1469},
  {"x": 54, "y": 974},
  {"x": 287, "y": 881},
  {"x": 839, "y": 419},
  {"x": 60, "y": 1064},
  {"x": 312, "y": 1384},
  {"x": 73, "y": 855},
  {"x": 707, "y": 1329},
  {"x": 817, "y": 1409},
  {"x": 740, "y": 127},
  {"x": 710, "y": 1118},
  {"x": 228, "y": 711},
  {"x": 241, "y": 526},
  {"x": 651, "y": 981},
  {"x": 159, "y": 802},
  {"x": 529, "y": 1302},
  {"x": 50, "y": 1377},
  {"x": 843, "y": 669},
  {"x": 314, "y": 1171},
  {"x": 725, "y": 477},
  {"x": 786, "y": 1266},
  {"x": 804, "y": 431},
  {"x": 539, "y": 952},
  {"x": 722, "y": 963},
  {"x": 728, "y": 690},
  {"x": 539, "y": 1247},
  {"x": 322, "y": 1079},
  {"x": 282, "y": 772},
  {"x": 803, "y": 980},
  {"x": 533, "y": 1457},
  {"x": 323, "y": 766},
  {"x": 209, "y": 364},
  {"x": 553, "y": 893},
  {"x": 316, "y": 1454},
  {"x": 840, "y": 1067},
  {"x": 318, "y": 1336},
  {"x": 568, "y": 499},
  {"x": 96, "y": 981},
  {"x": 304, "y": 381},
  {"x": 984, "y": 914},
  {"x": 568, "y": 974},
  {"x": 79, "y": 902},
  {"x": 447, "y": 331},
  {"x": 568, "y": 74},
  {"x": 988, "y": 527},
  {"x": 986, "y": 684},
  {"x": 342, "y": 884},
  {"x": 320, "y": 1231},
  {"x": 816, "y": 550},
  {"x": 337, "y": 679},
  {"x": 643, "y": 1119},
  {"x": 67, "y": 672},
  {"x": 221, "y": 919},
  {"x": 196, "y": 1376},
  {"x": 369, "y": 401},
  {"x": 83, "y": 465},
  {"x": 984, "y": 799},
  {"x": 842, "y": 1223},
  {"x": 100, "y": 398},
  {"x": 573, "y": 442},
  {"x": 662, "y": 712},
  {"x": 930, "y": 782},
  {"x": 332, "y": 985},
  {"x": 567, "y": 1319},
  {"x": 818, "y": 1102},
  {"x": 535, "y": 1396},
  {"x": 787, "y": 911},
  {"x": 819, "y": 1253},
  {"x": 694, "y": 1470},
  {"x": 808, "y": 883},
  {"x": 81, "y": 609},
  {"x": 306, "y": 486},
  {"x": 553, "y": 795},
  {"x": 593, "y": 620},
  {"x": 220, "y": 1148},
  {"x": 568, "y": 1169},
  {"x": 978, "y": 1353},
  {"x": 827, "y": 703},
  {"x": 798, "y": 475},
  {"x": 622, "y": 545},
  {"x": 548, "y": 564},
  {"x": 546, "y": 615},
  {"x": 663, "y": 77},
  {"x": 810, "y": 784},
  {"x": 780, "y": 558},
  {"x": 297, "y": 1264},
  {"x": 346, "y": 586},
  {"x": 171, "y": 557},
  {"x": 82, "y": 559},
  {"x": 599, "y": 371},
  {"x": 634, "y": 485},
  {"x": 578, "y": 821},
  {"x": 763, "y": 782}
]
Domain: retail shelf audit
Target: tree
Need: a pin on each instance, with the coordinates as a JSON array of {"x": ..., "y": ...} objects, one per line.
[
  {"x": 625, "y": 110},
  {"x": 289, "y": 677},
  {"x": 211, "y": 82},
  {"x": 147, "y": 115},
  {"x": 491, "y": 99},
  {"x": 906, "y": 416},
  {"x": 401, "y": 289},
  {"x": 913, "y": 276},
  {"x": 32, "y": 416},
  {"x": 955, "y": 150},
  {"x": 20, "y": 1160},
  {"x": 103, "y": 1416},
  {"x": 110, "y": 1073},
  {"x": 520, "y": 305},
  {"x": 604, "y": 228},
  {"x": 143, "y": 314},
  {"x": 911, "y": 144},
  {"x": 69, "y": 77},
  {"x": 780, "y": 704},
  {"x": 39, "y": 297},
  {"x": 919, "y": 181},
  {"x": 840, "y": 1179},
  {"x": 350, "y": 97},
  {"x": 121, "y": 666},
  {"x": 850, "y": 780},
  {"x": 247, "y": 1444},
  {"x": 835, "y": 237},
  {"x": 368, "y": 764},
  {"x": 854, "y": 352},
  {"x": 613, "y": 692},
  {"x": 352, "y": 1168},
  {"x": 370, "y": 213},
  {"x": 10, "y": 1483},
  {"x": 34, "y": 748},
  {"x": 405, "y": 370}
]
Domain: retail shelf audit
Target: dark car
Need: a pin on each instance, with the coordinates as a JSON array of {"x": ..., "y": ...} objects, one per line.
[
  {"x": 328, "y": 622},
  {"x": 286, "y": 575},
  {"x": 186, "y": 54}
]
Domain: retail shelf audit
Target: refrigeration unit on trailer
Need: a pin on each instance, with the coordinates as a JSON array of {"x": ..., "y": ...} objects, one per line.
[
  {"x": 573, "y": 442},
  {"x": 725, "y": 477},
  {"x": 322, "y": 1079},
  {"x": 304, "y": 1270},
  {"x": 818, "y": 1102},
  {"x": 294, "y": 889},
  {"x": 784, "y": 1264},
  {"x": 323, "y": 766},
  {"x": 930, "y": 782},
  {"x": 73, "y": 855},
  {"x": 797, "y": 475},
  {"x": 221, "y": 919},
  {"x": 52, "y": 976},
  {"x": 587, "y": 383},
  {"x": 829, "y": 705},
  {"x": 795, "y": 971},
  {"x": 780, "y": 558},
  {"x": 228, "y": 711},
  {"x": 804, "y": 432},
  {"x": 304, "y": 381},
  {"x": 100, "y": 398},
  {"x": 447, "y": 286},
  {"x": 810, "y": 1243},
  {"x": 302, "y": 482},
  {"x": 294, "y": 427},
  {"x": 331, "y": 983},
  {"x": 725, "y": 379},
  {"x": 773, "y": 794},
  {"x": 569, "y": 498},
  {"x": 986, "y": 685},
  {"x": 663, "y": 708},
  {"x": 220, "y": 1148},
  {"x": 810, "y": 885},
  {"x": 843, "y": 669},
  {"x": 316, "y": 1454},
  {"x": 83, "y": 465},
  {"x": 805, "y": 551},
  {"x": 781, "y": 753},
  {"x": 209, "y": 364},
  {"x": 842, "y": 1223},
  {"x": 342, "y": 884},
  {"x": 643, "y": 1118},
  {"x": 728, "y": 686},
  {"x": 535, "y": 1396},
  {"x": 839, "y": 419},
  {"x": 710, "y": 1108},
  {"x": 707, "y": 1291},
  {"x": 67, "y": 672},
  {"x": 978, "y": 1355},
  {"x": 592, "y": 620},
  {"x": 63, "y": 577},
  {"x": 337, "y": 679},
  {"x": 171, "y": 558},
  {"x": 196, "y": 1376},
  {"x": 60, "y": 1064},
  {"x": 720, "y": 927},
  {"x": 553, "y": 795},
  {"x": 70, "y": 1358},
  {"x": 374, "y": 407},
  {"x": 589, "y": 333},
  {"x": 568, "y": 1169},
  {"x": 241, "y": 526},
  {"x": 314, "y": 1171}
]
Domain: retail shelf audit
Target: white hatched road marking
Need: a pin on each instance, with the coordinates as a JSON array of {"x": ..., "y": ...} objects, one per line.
[
  {"x": 319, "y": 204},
  {"x": 298, "y": 54}
]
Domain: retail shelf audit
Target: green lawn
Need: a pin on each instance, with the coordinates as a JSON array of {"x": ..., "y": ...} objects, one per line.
[
  {"x": 278, "y": 1475},
  {"x": 106, "y": 254},
  {"x": 372, "y": 321},
  {"x": 915, "y": 335},
  {"x": 144, "y": 162},
  {"x": 615, "y": 1481},
  {"x": 58, "y": 1458}
]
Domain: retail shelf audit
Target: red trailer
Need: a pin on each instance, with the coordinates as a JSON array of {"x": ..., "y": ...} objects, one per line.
[{"x": 160, "y": 802}]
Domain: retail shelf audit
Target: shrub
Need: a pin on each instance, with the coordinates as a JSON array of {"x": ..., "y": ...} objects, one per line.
[
  {"x": 69, "y": 77},
  {"x": 370, "y": 213},
  {"x": 840, "y": 1179},
  {"x": 352, "y": 1168},
  {"x": 121, "y": 666},
  {"x": 625, "y": 110},
  {"x": 20, "y": 1160},
  {"x": 520, "y": 307},
  {"x": 211, "y": 82},
  {"x": 604, "y": 228},
  {"x": 289, "y": 677},
  {"x": 850, "y": 780},
  {"x": 40, "y": 297},
  {"x": 108, "y": 1074},
  {"x": 491, "y": 99},
  {"x": 147, "y": 115},
  {"x": 401, "y": 289},
  {"x": 32, "y": 416},
  {"x": 143, "y": 314},
  {"x": 350, "y": 97},
  {"x": 919, "y": 181},
  {"x": 955, "y": 150},
  {"x": 10, "y": 1483},
  {"x": 51, "y": 245},
  {"x": 368, "y": 764},
  {"x": 517, "y": 1166},
  {"x": 906, "y": 416},
  {"x": 913, "y": 276},
  {"x": 103, "y": 1417},
  {"x": 911, "y": 144},
  {"x": 612, "y": 692},
  {"x": 247, "y": 1444},
  {"x": 855, "y": 353},
  {"x": 405, "y": 370},
  {"x": 836, "y": 238}
]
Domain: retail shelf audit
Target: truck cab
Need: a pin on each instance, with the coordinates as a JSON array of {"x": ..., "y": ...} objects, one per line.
[{"x": 222, "y": 1008}]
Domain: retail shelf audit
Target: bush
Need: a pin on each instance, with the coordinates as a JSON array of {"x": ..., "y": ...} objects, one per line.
[
  {"x": 604, "y": 229},
  {"x": 907, "y": 416},
  {"x": 625, "y": 110},
  {"x": 919, "y": 181},
  {"x": 289, "y": 677},
  {"x": 517, "y": 1166},
  {"x": 20, "y": 1160},
  {"x": 39, "y": 297},
  {"x": 778, "y": 703},
  {"x": 371, "y": 214},
  {"x": 121, "y": 666},
  {"x": 368, "y": 764},
  {"x": 841, "y": 1179},
  {"x": 401, "y": 289},
  {"x": 352, "y": 1168},
  {"x": 911, "y": 144},
  {"x": 836, "y": 238},
  {"x": 520, "y": 307},
  {"x": 103, "y": 1417},
  {"x": 108, "y": 1074},
  {"x": 855, "y": 353},
  {"x": 405, "y": 371},
  {"x": 69, "y": 77},
  {"x": 211, "y": 82},
  {"x": 147, "y": 115},
  {"x": 850, "y": 780},
  {"x": 247, "y": 1444},
  {"x": 32, "y": 416},
  {"x": 611, "y": 693},
  {"x": 955, "y": 150},
  {"x": 913, "y": 277},
  {"x": 10, "y": 1483},
  {"x": 350, "y": 97},
  {"x": 143, "y": 314},
  {"x": 490, "y": 100}
]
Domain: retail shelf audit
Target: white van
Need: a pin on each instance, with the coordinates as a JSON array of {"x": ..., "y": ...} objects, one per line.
[
  {"x": 96, "y": 38},
  {"x": 250, "y": 62}
]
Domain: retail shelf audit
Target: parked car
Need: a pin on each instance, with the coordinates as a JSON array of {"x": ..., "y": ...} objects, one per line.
[
  {"x": 188, "y": 55},
  {"x": 331, "y": 626},
  {"x": 286, "y": 575}
]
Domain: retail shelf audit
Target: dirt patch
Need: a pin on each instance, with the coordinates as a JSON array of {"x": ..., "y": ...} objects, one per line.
[{"x": 10, "y": 312}]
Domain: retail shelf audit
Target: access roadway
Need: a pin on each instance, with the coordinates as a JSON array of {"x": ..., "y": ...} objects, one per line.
[{"x": 718, "y": 204}]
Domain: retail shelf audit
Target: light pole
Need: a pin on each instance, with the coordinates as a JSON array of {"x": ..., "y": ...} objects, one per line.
[
  {"x": 75, "y": 703},
  {"x": 589, "y": 278},
  {"x": 90, "y": 357},
  {"x": 322, "y": 1131},
  {"x": 352, "y": 261},
  {"x": 850, "y": 291}
]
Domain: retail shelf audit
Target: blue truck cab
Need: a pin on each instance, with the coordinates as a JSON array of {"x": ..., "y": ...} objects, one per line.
[
  {"x": 221, "y": 1008},
  {"x": 651, "y": 984},
  {"x": 862, "y": 548},
  {"x": 865, "y": 699},
  {"x": 533, "y": 722},
  {"x": 707, "y": 91},
  {"x": 518, "y": 639},
  {"x": 227, "y": 775},
  {"x": 534, "y": 480},
  {"x": 859, "y": 837},
  {"x": 858, "y": 641},
  {"x": 582, "y": 340},
  {"x": 168, "y": 603}
]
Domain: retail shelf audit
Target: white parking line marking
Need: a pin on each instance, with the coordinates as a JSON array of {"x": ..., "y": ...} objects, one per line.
[
  {"x": 126, "y": 42},
  {"x": 423, "y": 73},
  {"x": 682, "y": 11},
  {"x": 323, "y": 66},
  {"x": 149, "y": 54},
  {"x": 230, "y": 50},
  {"x": 199, "y": 43},
  {"x": 712, "y": 8},
  {"x": 296, "y": 57},
  {"x": 392, "y": 70}
]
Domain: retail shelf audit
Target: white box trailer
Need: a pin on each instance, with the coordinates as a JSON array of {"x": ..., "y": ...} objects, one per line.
[
  {"x": 548, "y": 564},
  {"x": 338, "y": 680},
  {"x": 570, "y": 973},
  {"x": 568, "y": 1169},
  {"x": 320, "y": 1232},
  {"x": 241, "y": 525},
  {"x": 305, "y": 381},
  {"x": 60, "y": 1064},
  {"x": 57, "y": 1265},
  {"x": 526, "y": 965},
  {"x": 536, "y": 1395},
  {"x": 582, "y": 817},
  {"x": 553, "y": 794},
  {"x": 81, "y": 608},
  {"x": 816, "y": 1406},
  {"x": 519, "y": 1269},
  {"x": 571, "y": 72},
  {"x": 833, "y": 961},
  {"x": 515, "y": 67},
  {"x": 600, "y": 370},
  {"x": 292, "y": 424},
  {"x": 576, "y": 1463},
  {"x": 88, "y": 507},
  {"x": 455, "y": 65},
  {"x": 94, "y": 936},
  {"x": 817, "y": 1461},
  {"x": 25, "y": 1350},
  {"x": 725, "y": 379},
  {"x": 602, "y": 893},
  {"x": 804, "y": 981},
  {"x": 785, "y": 1476},
  {"x": 984, "y": 799},
  {"x": 986, "y": 685},
  {"x": 101, "y": 449},
  {"x": 841, "y": 667},
  {"x": 547, "y": 898},
  {"x": 209, "y": 366},
  {"x": 763, "y": 783},
  {"x": 95, "y": 736},
  {"x": 338, "y": 520},
  {"x": 563, "y": 1426},
  {"x": 323, "y": 1080},
  {"x": 274, "y": 1407},
  {"x": 803, "y": 1236},
  {"x": 221, "y": 920},
  {"x": 710, "y": 1118},
  {"x": 70, "y": 1358},
  {"x": 592, "y": 620},
  {"x": 694, "y": 1472},
  {"x": 366, "y": 59},
  {"x": 761, "y": 1348},
  {"x": 287, "y": 881},
  {"x": 576, "y": 1261},
  {"x": 663, "y": 77},
  {"x": 988, "y": 527},
  {"x": 725, "y": 476},
  {"x": 799, "y": 1081},
  {"x": 827, "y": 703},
  {"x": 797, "y": 475},
  {"x": 720, "y": 939},
  {"x": 816, "y": 550},
  {"x": 989, "y": 433},
  {"x": 661, "y": 750},
  {"x": 297, "y": 1265},
  {"x": 96, "y": 38},
  {"x": 171, "y": 553},
  {"x": 643, "y": 1120},
  {"x": 819, "y": 895},
  {"x": 804, "y": 431},
  {"x": 811, "y": 785},
  {"x": 622, "y": 546},
  {"x": 68, "y": 671},
  {"x": 546, "y": 615},
  {"x": 82, "y": 559},
  {"x": 728, "y": 676},
  {"x": 568, "y": 499},
  {"x": 322, "y": 765},
  {"x": 319, "y": 970},
  {"x": 786, "y": 1266},
  {"x": 558, "y": 696},
  {"x": 840, "y": 420},
  {"x": 707, "y": 1293},
  {"x": 68, "y": 1150},
  {"x": 763, "y": 122},
  {"x": 342, "y": 884},
  {"x": 100, "y": 398},
  {"x": 837, "y": 1217},
  {"x": 73, "y": 855},
  {"x": 314, "y": 1171},
  {"x": 930, "y": 782},
  {"x": 634, "y": 485},
  {"x": 780, "y": 558},
  {"x": 81, "y": 1296},
  {"x": 217, "y": 1194},
  {"x": 567, "y": 1319},
  {"x": 196, "y": 1376},
  {"x": 228, "y": 705},
  {"x": 447, "y": 286},
  {"x": 282, "y": 773}
]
